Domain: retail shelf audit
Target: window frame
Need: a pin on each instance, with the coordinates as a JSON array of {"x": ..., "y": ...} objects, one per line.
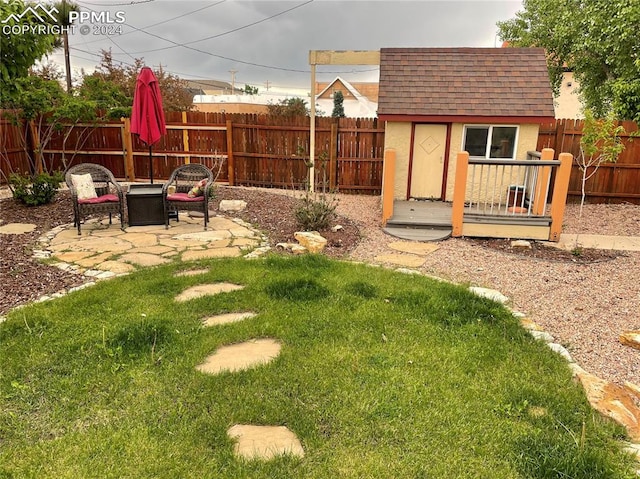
[{"x": 490, "y": 127}]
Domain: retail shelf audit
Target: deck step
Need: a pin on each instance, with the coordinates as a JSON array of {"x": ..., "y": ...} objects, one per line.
[{"x": 424, "y": 233}]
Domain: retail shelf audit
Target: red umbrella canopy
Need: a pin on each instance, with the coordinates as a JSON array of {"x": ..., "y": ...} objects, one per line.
[{"x": 147, "y": 116}]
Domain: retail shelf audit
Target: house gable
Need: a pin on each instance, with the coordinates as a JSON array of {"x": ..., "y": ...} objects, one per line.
[{"x": 465, "y": 85}]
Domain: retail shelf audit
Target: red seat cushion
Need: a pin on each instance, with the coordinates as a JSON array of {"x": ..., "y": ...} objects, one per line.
[
  {"x": 99, "y": 199},
  {"x": 184, "y": 197}
]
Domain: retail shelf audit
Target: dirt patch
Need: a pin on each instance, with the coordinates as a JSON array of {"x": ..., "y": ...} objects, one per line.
[{"x": 543, "y": 252}]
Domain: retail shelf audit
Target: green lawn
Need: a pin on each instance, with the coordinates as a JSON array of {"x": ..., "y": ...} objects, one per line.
[{"x": 381, "y": 375}]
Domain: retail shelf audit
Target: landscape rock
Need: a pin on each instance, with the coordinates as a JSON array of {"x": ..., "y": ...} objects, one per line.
[
  {"x": 312, "y": 240},
  {"x": 529, "y": 325},
  {"x": 542, "y": 336},
  {"x": 631, "y": 338},
  {"x": 561, "y": 350},
  {"x": 612, "y": 401},
  {"x": 232, "y": 205},
  {"x": 492, "y": 294},
  {"x": 258, "y": 252},
  {"x": 292, "y": 247},
  {"x": 633, "y": 389},
  {"x": 521, "y": 244},
  {"x": 337, "y": 228}
]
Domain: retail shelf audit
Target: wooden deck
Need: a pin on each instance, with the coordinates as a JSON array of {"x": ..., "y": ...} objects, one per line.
[{"x": 431, "y": 221}]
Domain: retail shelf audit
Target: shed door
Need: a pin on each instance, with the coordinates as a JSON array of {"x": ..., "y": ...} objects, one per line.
[{"x": 427, "y": 169}]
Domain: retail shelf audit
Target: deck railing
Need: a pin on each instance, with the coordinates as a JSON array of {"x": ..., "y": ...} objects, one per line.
[{"x": 510, "y": 198}]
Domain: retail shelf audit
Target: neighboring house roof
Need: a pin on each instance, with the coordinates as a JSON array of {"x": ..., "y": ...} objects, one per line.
[
  {"x": 440, "y": 84},
  {"x": 367, "y": 89},
  {"x": 355, "y": 104},
  {"x": 211, "y": 85},
  {"x": 260, "y": 99}
]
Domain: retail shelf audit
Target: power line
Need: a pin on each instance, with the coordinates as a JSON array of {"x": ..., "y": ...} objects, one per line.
[
  {"x": 186, "y": 45},
  {"x": 229, "y": 31},
  {"x": 166, "y": 21}
]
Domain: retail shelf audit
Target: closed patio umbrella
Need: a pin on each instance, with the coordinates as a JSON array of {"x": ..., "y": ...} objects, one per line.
[{"x": 147, "y": 115}]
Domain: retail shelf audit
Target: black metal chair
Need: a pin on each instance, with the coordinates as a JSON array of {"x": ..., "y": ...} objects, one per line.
[
  {"x": 109, "y": 196},
  {"x": 185, "y": 178}
]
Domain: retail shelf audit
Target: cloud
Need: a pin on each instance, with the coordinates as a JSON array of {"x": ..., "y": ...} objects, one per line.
[{"x": 269, "y": 45}]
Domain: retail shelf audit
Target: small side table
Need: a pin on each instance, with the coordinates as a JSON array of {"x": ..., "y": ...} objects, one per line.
[{"x": 144, "y": 205}]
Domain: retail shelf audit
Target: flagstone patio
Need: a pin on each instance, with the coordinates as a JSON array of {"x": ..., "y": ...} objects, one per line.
[{"x": 104, "y": 250}]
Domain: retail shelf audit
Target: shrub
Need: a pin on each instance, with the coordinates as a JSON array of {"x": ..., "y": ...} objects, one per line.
[
  {"x": 315, "y": 213},
  {"x": 35, "y": 190}
]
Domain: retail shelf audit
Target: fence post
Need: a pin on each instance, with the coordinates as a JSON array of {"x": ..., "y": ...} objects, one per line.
[
  {"x": 129, "y": 169},
  {"x": 185, "y": 138},
  {"x": 333, "y": 155},
  {"x": 230, "y": 163},
  {"x": 459, "y": 191},
  {"x": 560, "y": 190},
  {"x": 544, "y": 175},
  {"x": 388, "y": 184}
]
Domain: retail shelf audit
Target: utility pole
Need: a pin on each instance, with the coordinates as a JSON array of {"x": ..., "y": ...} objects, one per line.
[
  {"x": 266, "y": 84},
  {"x": 233, "y": 81}
]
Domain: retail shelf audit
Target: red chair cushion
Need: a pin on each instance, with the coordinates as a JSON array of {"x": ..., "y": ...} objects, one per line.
[
  {"x": 184, "y": 197},
  {"x": 99, "y": 199}
]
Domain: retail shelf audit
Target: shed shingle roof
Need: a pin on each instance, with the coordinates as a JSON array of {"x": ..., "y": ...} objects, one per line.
[{"x": 486, "y": 82}]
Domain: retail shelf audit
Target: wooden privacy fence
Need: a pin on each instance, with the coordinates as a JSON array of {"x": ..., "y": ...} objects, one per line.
[
  {"x": 262, "y": 150},
  {"x": 13, "y": 150},
  {"x": 613, "y": 182},
  {"x": 252, "y": 150}
]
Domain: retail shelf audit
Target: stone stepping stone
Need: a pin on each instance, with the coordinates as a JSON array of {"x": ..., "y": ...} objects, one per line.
[
  {"x": 143, "y": 259},
  {"x": 398, "y": 259},
  {"x": 116, "y": 267},
  {"x": 191, "y": 272},
  {"x": 16, "y": 228},
  {"x": 211, "y": 253},
  {"x": 207, "y": 290},
  {"x": 227, "y": 318},
  {"x": 241, "y": 356},
  {"x": 264, "y": 442},
  {"x": 414, "y": 247}
]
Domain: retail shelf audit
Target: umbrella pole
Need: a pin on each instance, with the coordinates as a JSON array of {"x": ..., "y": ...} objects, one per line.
[{"x": 150, "y": 164}]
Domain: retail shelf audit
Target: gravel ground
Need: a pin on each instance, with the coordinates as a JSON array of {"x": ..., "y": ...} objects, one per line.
[{"x": 584, "y": 305}]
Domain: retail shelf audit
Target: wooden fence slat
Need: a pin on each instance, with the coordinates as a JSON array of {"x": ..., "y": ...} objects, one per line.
[{"x": 262, "y": 150}]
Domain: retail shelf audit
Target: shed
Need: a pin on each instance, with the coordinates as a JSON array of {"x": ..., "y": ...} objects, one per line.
[{"x": 437, "y": 102}]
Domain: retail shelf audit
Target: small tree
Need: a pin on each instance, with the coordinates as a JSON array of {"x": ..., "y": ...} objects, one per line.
[
  {"x": 288, "y": 108},
  {"x": 250, "y": 90},
  {"x": 113, "y": 84},
  {"x": 338, "y": 105},
  {"x": 48, "y": 111},
  {"x": 19, "y": 52},
  {"x": 600, "y": 144}
]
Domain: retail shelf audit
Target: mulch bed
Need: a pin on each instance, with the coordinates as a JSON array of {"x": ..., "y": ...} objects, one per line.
[
  {"x": 24, "y": 279},
  {"x": 543, "y": 252}
]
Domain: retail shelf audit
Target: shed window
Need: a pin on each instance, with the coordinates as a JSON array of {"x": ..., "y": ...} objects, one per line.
[{"x": 490, "y": 141}]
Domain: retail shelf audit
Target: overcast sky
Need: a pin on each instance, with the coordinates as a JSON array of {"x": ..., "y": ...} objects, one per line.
[{"x": 269, "y": 41}]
